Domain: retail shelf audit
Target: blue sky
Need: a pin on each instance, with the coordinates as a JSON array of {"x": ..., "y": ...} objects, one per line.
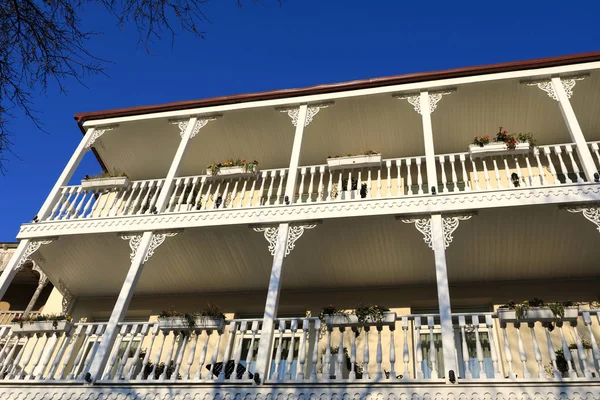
[{"x": 301, "y": 43}]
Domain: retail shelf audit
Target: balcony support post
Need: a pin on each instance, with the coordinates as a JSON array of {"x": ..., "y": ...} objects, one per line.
[
  {"x": 42, "y": 282},
  {"x": 122, "y": 304},
  {"x": 583, "y": 151},
  {"x": 290, "y": 185},
  {"x": 426, "y": 110},
  {"x": 443, "y": 291},
  {"x": 263, "y": 357}
]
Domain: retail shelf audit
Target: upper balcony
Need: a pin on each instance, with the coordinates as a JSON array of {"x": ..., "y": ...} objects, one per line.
[{"x": 422, "y": 154}]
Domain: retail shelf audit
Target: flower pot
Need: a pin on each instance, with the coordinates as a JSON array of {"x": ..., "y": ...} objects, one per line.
[
  {"x": 535, "y": 314},
  {"x": 121, "y": 182},
  {"x": 362, "y": 161},
  {"x": 496, "y": 149},
  {"x": 233, "y": 172},
  {"x": 181, "y": 324},
  {"x": 43, "y": 327},
  {"x": 349, "y": 195},
  {"x": 389, "y": 319}
]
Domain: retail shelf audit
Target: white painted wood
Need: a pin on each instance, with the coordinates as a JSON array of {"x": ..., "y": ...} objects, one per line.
[
  {"x": 340, "y": 356},
  {"x": 11, "y": 268},
  {"x": 536, "y": 351},
  {"x": 290, "y": 357},
  {"x": 228, "y": 350},
  {"x": 428, "y": 141},
  {"x": 566, "y": 351},
  {"x": 552, "y": 354},
  {"x": 405, "y": 352},
  {"x": 392, "y": 354},
  {"x": 489, "y": 323},
  {"x": 465, "y": 349},
  {"x": 366, "y": 355},
  {"x": 379, "y": 354},
  {"x": 146, "y": 360},
  {"x": 522, "y": 353},
  {"x": 290, "y": 186},
  {"x": 202, "y": 358},
  {"x": 315, "y": 355}
]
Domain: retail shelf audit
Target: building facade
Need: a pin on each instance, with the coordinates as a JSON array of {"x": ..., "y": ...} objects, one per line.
[{"x": 277, "y": 205}]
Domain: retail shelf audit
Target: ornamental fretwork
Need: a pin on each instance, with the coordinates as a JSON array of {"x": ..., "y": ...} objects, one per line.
[
  {"x": 449, "y": 225},
  {"x": 590, "y": 212},
  {"x": 201, "y": 122},
  {"x": 546, "y": 85},
  {"x": 414, "y": 99},
  {"x": 311, "y": 111},
  {"x": 99, "y": 131},
  {"x": 158, "y": 238},
  {"x": 295, "y": 232},
  {"x": 32, "y": 247}
]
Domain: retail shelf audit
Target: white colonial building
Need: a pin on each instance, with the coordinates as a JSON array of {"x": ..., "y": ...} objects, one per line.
[{"x": 418, "y": 219}]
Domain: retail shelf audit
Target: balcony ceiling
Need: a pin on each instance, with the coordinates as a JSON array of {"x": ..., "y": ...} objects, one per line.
[
  {"x": 145, "y": 149},
  {"x": 526, "y": 243}
]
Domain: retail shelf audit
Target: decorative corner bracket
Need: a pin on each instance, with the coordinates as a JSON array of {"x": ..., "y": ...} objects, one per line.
[
  {"x": 568, "y": 84},
  {"x": 43, "y": 279},
  {"x": 311, "y": 111},
  {"x": 415, "y": 99},
  {"x": 294, "y": 234},
  {"x": 449, "y": 223},
  {"x": 201, "y": 122},
  {"x": 32, "y": 247},
  {"x": 67, "y": 299},
  {"x": 591, "y": 212},
  {"x": 99, "y": 131},
  {"x": 158, "y": 238}
]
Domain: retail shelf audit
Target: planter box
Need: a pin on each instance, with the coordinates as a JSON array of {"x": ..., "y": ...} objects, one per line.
[
  {"x": 496, "y": 149},
  {"x": 180, "y": 324},
  {"x": 106, "y": 183},
  {"x": 43, "y": 327},
  {"x": 373, "y": 160},
  {"x": 232, "y": 172},
  {"x": 541, "y": 314},
  {"x": 389, "y": 319}
]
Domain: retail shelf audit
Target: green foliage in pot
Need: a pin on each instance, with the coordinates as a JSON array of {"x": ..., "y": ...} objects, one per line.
[{"x": 370, "y": 313}]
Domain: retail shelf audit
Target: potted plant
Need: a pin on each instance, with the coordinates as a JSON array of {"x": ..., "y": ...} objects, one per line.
[
  {"x": 232, "y": 168},
  {"x": 106, "y": 180},
  {"x": 210, "y": 318},
  {"x": 43, "y": 323},
  {"x": 353, "y": 193},
  {"x": 369, "y": 158},
  {"x": 538, "y": 310},
  {"x": 503, "y": 142},
  {"x": 372, "y": 315}
]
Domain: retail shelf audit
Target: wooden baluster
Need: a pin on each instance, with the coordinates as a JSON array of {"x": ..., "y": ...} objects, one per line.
[
  {"x": 143, "y": 331},
  {"x": 541, "y": 180},
  {"x": 270, "y": 192},
  {"x": 208, "y": 195},
  {"x": 228, "y": 349},
  {"x": 79, "y": 358},
  {"x": 366, "y": 354},
  {"x": 489, "y": 323},
  {"x": 71, "y": 211},
  {"x": 497, "y": 174},
  {"x": 182, "y": 197},
  {"x": 587, "y": 321},
  {"x": 145, "y": 206},
  {"x": 465, "y": 176},
  {"x": 301, "y": 351},
  {"x": 290, "y": 356},
  {"x": 261, "y": 190},
  {"x": 51, "y": 346},
  {"x": 191, "y": 355},
  {"x": 132, "y": 332},
  {"x": 113, "y": 202},
  {"x": 465, "y": 349},
  {"x": 315, "y": 355},
  {"x": 320, "y": 188},
  {"x": 349, "y": 187},
  {"x": 529, "y": 170},
  {"x": 486, "y": 175},
  {"x": 10, "y": 357},
  {"x": 379, "y": 353},
  {"x": 242, "y": 194},
  {"x": 67, "y": 358},
  {"x": 171, "y": 205},
  {"x": 16, "y": 367},
  {"x": 359, "y": 184},
  {"x": 548, "y": 153},
  {"x": 202, "y": 358},
  {"x": 339, "y": 186},
  {"x": 369, "y": 183},
  {"x": 198, "y": 200},
  {"x": 65, "y": 203},
  {"x": 388, "y": 164},
  {"x": 442, "y": 160},
  {"x": 419, "y": 176},
  {"x": 169, "y": 357},
  {"x": 250, "y": 356},
  {"x": 235, "y": 192},
  {"x": 405, "y": 353},
  {"x": 378, "y": 182},
  {"x": 508, "y": 352},
  {"x": 301, "y": 187},
  {"x": 595, "y": 148},
  {"x": 409, "y": 176},
  {"x": 419, "y": 351},
  {"x": 536, "y": 351},
  {"x": 329, "y": 187},
  {"x": 566, "y": 351},
  {"x": 519, "y": 173},
  {"x": 238, "y": 351},
  {"x": 189, "y": 201},
  {"x": 452, "y": 159},
  {"x": 392, "y": 353},
  {"x": 340, "y": 356},
  {"x": 113, "y": 358},
  {"x": 507, "y": 172},
  {"x": 522, "y": 353},
  {"x": 563, "y": 167},
  {"x": 224, "y": 196},
  {"x": 131, "y": 197},
  {"x": 88, "y": 360},
  {"x": 152, "y": 376},
  {"x": 153, "y": 334},
  {"x": 309, "y": 198},
  {"x": 552, "y": 353},
  {"x": 60, "y": 203},
  {"x": 475, "y": 174},
  {"x": 216, "y": 195},
  {"x": 66, "y": 340},
  {"x": 581, "y": 352},
  {"x": 252, "y": 190},
  {"x": 576, "y": 170},
  {"x": 137, "y": 205},
  {"x": 215, "y": 354},
  {"x": 82, "y": 201},
  {"x": 352, "y": 374},
  {"x": 280, "y": 188},
  {"x": 281, "y": 328},
  {"x": 184, "y": 339},
  {"x": 97, "y": 197},
  {"x": 478, "y": 347},
  {"x": 432, "y": 350},
  {"x": 37, "y": 355},
  {"x": 398, "y": 178}
]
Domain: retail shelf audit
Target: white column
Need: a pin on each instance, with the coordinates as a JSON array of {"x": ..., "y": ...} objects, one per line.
[
  {"x": 13, "y": 266},
  {"x": 441, "y": 273},
  {"x": 43, "y": 281},
  {"x": 263, "y": 357},
  {"x": 66, "y": 175},
  {"x": 295, "y": 158},
  {"x": 121, "y": 306},
  {"x": 165, "y": 193},
  {"x": 428, "y": 139},
  {"x": 585, "y": 157}
]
